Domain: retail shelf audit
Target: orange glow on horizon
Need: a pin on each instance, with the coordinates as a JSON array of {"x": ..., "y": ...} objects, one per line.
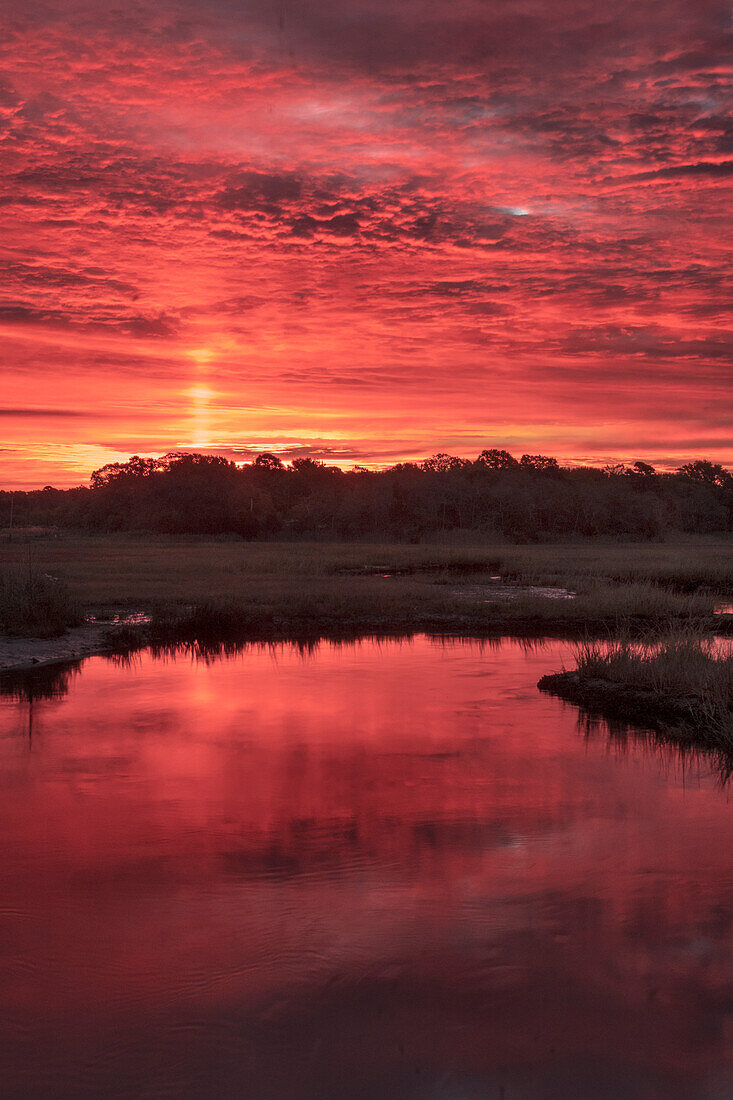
[{"x": 368, "y": 246}]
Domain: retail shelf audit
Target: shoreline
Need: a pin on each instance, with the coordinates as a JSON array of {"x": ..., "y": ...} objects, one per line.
[
  {"x": 26, "y": 654},
  {"x": 21, "y": 654},
  {"x": 681, "y": 719}
]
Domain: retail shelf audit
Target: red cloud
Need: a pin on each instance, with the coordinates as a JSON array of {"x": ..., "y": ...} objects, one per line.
[{"x": 387, "y": 229}]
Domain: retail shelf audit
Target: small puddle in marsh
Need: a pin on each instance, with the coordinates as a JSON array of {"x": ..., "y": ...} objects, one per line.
[
  {"x": 494, "y": 589},
  {"x": 121, "y": 618},
  {"x": 490, "y": 592}
]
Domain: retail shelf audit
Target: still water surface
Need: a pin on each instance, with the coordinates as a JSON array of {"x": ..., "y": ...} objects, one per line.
[{"x": 381, "y": 870}]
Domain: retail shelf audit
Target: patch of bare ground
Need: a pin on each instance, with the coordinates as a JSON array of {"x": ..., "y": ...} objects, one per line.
[{"x": 25, "y": 653}]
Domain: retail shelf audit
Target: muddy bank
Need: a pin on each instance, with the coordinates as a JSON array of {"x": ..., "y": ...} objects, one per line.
[{"x": 17, "y": 654}]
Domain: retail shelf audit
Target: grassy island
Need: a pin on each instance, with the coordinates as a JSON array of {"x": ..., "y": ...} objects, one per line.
[{"x": 681, "y": 686}]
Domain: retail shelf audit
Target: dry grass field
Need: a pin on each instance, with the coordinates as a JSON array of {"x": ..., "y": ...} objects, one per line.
[
  {"x": 127, "y": 571},
  {"x": 197, "y": 586}
]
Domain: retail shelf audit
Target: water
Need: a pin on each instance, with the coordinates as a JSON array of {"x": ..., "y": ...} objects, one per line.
[{"x": 384, "y": 870}]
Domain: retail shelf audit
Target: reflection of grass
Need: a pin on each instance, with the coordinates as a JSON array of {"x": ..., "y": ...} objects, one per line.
[
  {"x": 671, "y": 746},
  {"x": 44, "y": 682},
  {"x": 682, "y": 683},
  {"x": 33, "y": 604}
]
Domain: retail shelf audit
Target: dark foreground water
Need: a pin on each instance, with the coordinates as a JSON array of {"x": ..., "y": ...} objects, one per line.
[{"x": 388, "y": 870}]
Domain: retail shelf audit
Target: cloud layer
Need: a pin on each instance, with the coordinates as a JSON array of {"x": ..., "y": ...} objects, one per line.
[{"x": 370, "y": 230}]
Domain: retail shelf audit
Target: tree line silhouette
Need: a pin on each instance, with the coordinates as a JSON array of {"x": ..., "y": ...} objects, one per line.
[{"x": 527, "y": 499}]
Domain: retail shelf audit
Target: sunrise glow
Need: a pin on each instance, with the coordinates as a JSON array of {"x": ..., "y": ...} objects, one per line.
[{"x": 364, "y": 233}]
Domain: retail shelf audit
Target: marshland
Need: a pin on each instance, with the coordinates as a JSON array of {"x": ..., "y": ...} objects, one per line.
[
  {"x": 123, "y": 592},
  {"x": 339, "y": 583},
  {"x": 277, "y": 788}
]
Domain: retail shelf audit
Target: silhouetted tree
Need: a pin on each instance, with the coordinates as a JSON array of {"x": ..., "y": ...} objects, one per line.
[
  {"x": 135, "y": 467},
  {"x": 267, "y": 461},
  {"x": 709, "y": 473},
  {"x": 538, "y": 462},
  {"x": 442, "y": 463},
  {"x": 495, "y": 496},
  {"x": 496, "y": 460}
]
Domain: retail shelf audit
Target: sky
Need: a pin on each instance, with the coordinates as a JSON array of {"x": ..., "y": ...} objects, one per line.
[{"x": 364, "y": 231}]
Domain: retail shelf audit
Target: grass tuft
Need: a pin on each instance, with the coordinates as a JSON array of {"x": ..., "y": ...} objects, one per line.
[
  {"x": 35, "y": 605},
  {"x": 681, "y": 683}
]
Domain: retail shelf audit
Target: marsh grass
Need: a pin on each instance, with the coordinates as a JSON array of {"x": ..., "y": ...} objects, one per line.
[
  {"x": 263, "y": 589},
  {"x": 693, "y": 671},
  {"x": 358, "y": 606},
  {"x": 134, "y": 571},
  {"x": 33, "y": 604},
  {"x": 686, "y": 665},
  {"x": 683, "y": 566},
  {"x": 614, "y": 605}
]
